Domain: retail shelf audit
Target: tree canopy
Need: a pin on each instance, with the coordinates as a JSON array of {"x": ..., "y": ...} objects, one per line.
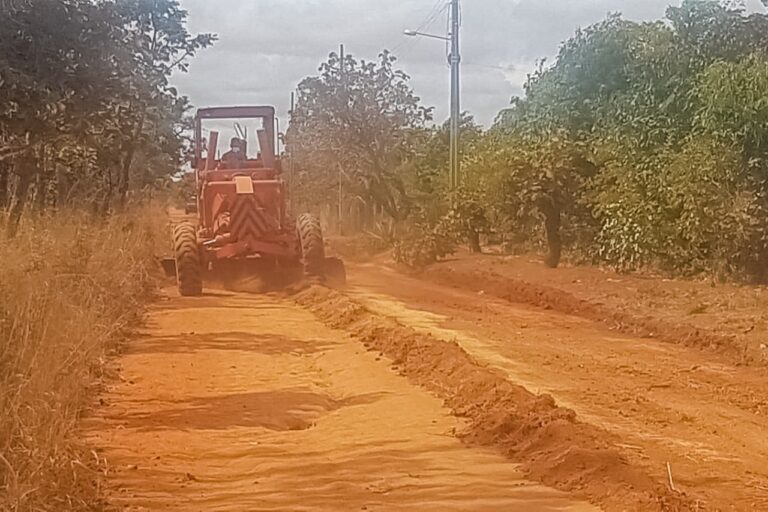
[
  {"x": 357, "y": 122},
  {"x": 642, "y": 144},
  {"x": 86, "y": 109},
  {"x": 652, "y": 138}
]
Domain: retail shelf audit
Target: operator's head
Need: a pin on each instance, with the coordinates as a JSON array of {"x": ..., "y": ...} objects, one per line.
[{"x": 236, "y": 144}]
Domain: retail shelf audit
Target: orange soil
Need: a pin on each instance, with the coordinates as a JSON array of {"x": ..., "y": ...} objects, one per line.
[
  {"x": 241, "y": 402},
  {"x": 701, "y": 411},
  {"x": 729, "y": 319},
  {"x": 632, "y": 393},
  {"x": 552, "y": 445}
]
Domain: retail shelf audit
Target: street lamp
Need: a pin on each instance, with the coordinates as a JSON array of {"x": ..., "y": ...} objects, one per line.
[
  {"x": 455, "y": 59},
  {"x": 414, "y": 33}
]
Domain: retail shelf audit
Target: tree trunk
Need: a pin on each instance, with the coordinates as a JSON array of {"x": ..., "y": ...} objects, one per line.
[
  {"x": 5, "y": 172},
  {"x": 62, "y": 185},
  {"x": 552, "y": 223},
  {"x": 19, "y": 203},
  {"x": 43, "y": 180},
  {"x": 758, "y": 271},
  {"x": 106, "y": 203},
  {"x": 123, "y": 181},
  {"x": 474, "y": 241}
]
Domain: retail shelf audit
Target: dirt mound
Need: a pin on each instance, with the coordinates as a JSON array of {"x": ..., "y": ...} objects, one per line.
[
  {"x": 547, "y": 297},
  {"x": 549, "y": 442}
]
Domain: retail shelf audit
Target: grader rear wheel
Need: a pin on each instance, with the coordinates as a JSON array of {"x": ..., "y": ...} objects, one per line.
[
  {"x": 189, "y": 265},
  {"x": 312, "y": 245}
]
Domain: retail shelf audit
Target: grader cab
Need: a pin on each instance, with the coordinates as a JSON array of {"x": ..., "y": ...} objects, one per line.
[{"x": 242, "y": 222}]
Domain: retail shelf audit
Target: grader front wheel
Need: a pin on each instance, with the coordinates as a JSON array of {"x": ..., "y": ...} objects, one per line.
[
  {"x": 312, "y": 245},
  {"x": 189, "y": 265}
]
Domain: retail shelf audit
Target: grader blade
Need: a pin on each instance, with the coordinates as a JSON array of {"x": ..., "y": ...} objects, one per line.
[
  {"x": 169, "y": 267},
  {"x": 335, "y": 272}
]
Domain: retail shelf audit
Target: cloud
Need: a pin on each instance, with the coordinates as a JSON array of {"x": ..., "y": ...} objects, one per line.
[{"x": 266, "y": 47}]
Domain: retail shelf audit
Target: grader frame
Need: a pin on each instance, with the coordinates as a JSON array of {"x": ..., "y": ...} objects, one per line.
[{"x": 242, "y": 218}]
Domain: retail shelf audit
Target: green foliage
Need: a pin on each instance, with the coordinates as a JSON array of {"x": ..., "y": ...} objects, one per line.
[
  {"x": 421, "y": 242},
  {"x": 649, "y": 139},
  {"x": 86, "y": 110},
  {"x": 642, "y": 145},
  {"x": 356, "y": 122}
]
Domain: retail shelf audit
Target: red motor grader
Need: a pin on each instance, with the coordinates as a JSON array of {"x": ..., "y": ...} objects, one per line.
[{"x": 242, "y": 221}]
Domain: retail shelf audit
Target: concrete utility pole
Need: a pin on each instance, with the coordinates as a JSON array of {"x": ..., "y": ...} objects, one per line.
[
  {"x": 454, "y": 59},
  {"x": 290, "y": 156},
  {"x": 341, "y": 189}
]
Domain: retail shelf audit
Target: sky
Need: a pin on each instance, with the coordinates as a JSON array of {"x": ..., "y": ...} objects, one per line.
[{"x": 266, "y": 47}]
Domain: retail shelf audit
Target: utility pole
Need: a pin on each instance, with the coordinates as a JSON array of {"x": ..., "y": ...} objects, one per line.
[
  {"x": 455, "y": 60},
  {"x": 290, "y": 156},
  {"x": 341, "y": 190}
]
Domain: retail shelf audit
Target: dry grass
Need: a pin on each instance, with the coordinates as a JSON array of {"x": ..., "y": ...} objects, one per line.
[{"x": 70, "y": 290}]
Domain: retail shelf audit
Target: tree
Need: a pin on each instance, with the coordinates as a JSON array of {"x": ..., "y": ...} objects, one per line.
[
  {"x": 356, "y": 122},
  {"x": 163, "y": 46},
  {"x": 640, "y": 135},
  {"x": 85, "y": 89},
  {"x": 460, "y": 214}
]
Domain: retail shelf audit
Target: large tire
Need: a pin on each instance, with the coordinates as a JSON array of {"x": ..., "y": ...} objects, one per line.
[
  {"x": 189, "y": 264},
  {"x": 312, "y": 245}
]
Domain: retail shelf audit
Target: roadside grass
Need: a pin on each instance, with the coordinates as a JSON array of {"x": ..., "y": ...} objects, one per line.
[{"x": 71, "y": 288}]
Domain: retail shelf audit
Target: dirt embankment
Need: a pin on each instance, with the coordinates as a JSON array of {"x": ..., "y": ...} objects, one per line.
[
  {"x": 550, "y": 442},
  {"x": 725, "y": 319},
  {"x": 671, "y": 406}
]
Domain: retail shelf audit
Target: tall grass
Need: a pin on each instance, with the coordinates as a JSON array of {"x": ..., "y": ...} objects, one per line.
[{"x": 70, "y": 290}]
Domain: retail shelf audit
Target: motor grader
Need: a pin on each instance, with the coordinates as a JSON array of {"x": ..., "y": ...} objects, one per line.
[{"x": 242, "y": 224}]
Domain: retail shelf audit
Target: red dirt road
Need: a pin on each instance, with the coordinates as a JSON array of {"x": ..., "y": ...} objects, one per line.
[
  {"x": 664, "y": 402},
  {"x": 235, "y": 402},
  {"x": 408, "y": 393}
]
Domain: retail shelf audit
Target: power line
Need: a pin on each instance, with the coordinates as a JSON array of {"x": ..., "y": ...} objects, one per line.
[
  {"x": 439, "y": 7},
  {"x": 489, "y": 66},
  {"x": 448, "y": 43},
  {"x": 436, "y": 11}
]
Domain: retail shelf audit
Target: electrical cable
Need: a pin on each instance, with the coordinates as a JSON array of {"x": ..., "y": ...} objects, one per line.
[{"x": 439, "y": 7}]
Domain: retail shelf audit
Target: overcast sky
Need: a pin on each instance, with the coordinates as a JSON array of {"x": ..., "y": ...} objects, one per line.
[{"x": 266, "y": 47}]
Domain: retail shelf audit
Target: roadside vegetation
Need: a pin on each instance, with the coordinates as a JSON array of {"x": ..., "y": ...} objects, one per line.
[
  {"x": 71, "y": 291},
  {"x": 643, "y": 145},
  {"x": 91, "y": 133}
]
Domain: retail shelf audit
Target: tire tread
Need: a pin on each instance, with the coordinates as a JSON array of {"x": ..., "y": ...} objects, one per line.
[{"x": 189, "y": 265}]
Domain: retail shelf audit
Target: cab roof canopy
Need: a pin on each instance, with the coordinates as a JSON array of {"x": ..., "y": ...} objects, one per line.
[{"x": 235, "y": 112}]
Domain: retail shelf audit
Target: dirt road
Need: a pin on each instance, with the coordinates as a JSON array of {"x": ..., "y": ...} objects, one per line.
[
  {"x": 665, "y": 403},
  {"x": 352, "y": 402},
  {"x": 235, "y": 402}
]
